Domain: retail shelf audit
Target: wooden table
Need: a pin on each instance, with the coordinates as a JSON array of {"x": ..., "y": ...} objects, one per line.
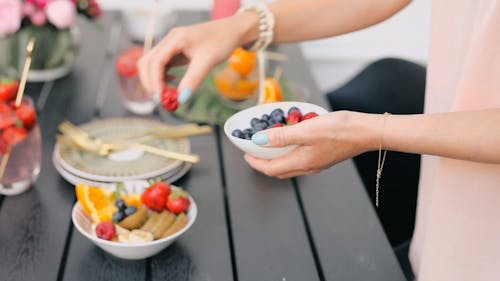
[{"x": 249, "y": 227}]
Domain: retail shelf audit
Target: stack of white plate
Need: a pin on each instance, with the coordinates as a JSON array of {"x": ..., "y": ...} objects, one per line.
[{"x": 132, "y": 167}]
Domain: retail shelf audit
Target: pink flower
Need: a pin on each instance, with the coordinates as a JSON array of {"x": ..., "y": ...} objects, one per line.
[
  {"x": 10, "y": 16},
  {"x": 38, "y": 18},
  {"x": 94, "y": 10},
  {"x": 29, "y": 8},
  {"x": 61, "y": 13},
  {"x": 40, "y": 3}
]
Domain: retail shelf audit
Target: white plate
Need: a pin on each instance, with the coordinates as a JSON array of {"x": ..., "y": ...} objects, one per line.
[
  {"x": 128, "y": 165},
  {"x": 130, "y": 184}
]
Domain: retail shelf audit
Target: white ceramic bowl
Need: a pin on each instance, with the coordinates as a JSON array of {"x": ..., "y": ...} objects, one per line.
[
  {"x": 241, "y": 120},
  {"x": 135, "y": 251}
]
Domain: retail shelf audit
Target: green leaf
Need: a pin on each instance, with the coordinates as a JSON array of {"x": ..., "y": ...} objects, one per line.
[{"x": 119, "y": 190}]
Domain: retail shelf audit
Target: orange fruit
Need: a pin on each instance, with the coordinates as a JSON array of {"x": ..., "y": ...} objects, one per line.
[
  {"x": 96, "y": 202},
  {"x": 242, "y": 61},
  {"x": 231, "y": 85},
  {"x": 272, "y": 91},
  {"x": 133, "y": 199}
]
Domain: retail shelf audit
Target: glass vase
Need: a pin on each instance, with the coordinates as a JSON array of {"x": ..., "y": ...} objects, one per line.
[
  {"x": 20, "y": 163},
  {"x": 53, "y": 56}
]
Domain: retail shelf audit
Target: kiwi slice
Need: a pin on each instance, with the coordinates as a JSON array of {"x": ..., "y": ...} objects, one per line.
[
  {"x": 151, "y": 221},
  {"x": 165, "y": 220},
  {"x": 179, "y": 223},
  {"x": 136, "y": 219}
]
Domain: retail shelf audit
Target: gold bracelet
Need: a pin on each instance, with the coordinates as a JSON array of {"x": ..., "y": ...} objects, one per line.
[{"x": 380, "y": 162}]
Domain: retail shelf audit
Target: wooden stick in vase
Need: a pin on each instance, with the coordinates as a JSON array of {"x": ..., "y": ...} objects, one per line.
[{"x": 19, "y": 97}]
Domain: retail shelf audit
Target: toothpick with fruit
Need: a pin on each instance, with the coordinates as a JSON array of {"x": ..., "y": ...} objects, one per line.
[{"x": 15, "y": 126}]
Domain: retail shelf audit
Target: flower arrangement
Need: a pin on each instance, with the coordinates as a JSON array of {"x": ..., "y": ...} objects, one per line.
[
  {"x": 60, "y": 14},
  {"x": 50, "y": 22}
]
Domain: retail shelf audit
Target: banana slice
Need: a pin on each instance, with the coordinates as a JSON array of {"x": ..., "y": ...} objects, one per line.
[{"x": 135, "y": 236}]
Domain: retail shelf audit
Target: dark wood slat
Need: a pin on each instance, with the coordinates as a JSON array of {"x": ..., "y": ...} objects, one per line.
[
  {"x": 350, "y": 242},
  {"x": 269, "y": 237},
  {"x": 203, "y": 252},
  {"x": 36, "y": 223},
  {"x": 85, "y": 260}
]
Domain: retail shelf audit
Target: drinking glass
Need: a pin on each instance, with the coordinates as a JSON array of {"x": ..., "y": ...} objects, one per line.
[
  {"x": 21, "y": 160},
  {"x": 135, "y": 99}
]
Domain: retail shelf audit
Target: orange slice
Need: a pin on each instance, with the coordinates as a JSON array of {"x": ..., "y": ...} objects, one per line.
[
  {"x": 242, "y": 61},
  {"x": 272, "y": 91},
  {"x": 96, "y": 202},
  {"x": 231, "y": 85},
  {"x": 132, "y": 199}
]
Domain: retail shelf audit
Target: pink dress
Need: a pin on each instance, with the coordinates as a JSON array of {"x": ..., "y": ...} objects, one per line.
[{"x": 457, "y": 232}]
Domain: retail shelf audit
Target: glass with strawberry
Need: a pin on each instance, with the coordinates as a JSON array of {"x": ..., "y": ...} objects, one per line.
[
  {"x": 135, "y": 99},
  {"x": 20, "y": 141}
]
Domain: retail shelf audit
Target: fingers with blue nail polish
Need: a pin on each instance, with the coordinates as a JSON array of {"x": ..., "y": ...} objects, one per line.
[
  {"x": 185, "y": 94},
  {"x": 260, "y": 138}
]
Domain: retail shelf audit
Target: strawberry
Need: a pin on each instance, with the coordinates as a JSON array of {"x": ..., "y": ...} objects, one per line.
[
  {"x": 105, "y": 230},
  {"x": 169, "y": 98},
  {"x": 277, "y": 125},
  {"x": 8, "y": 89},
  {"x": 178, "y": 202},
  {"x": 26, "y": 114},
  {"x": 5, "y": 108},
  {"x": 156, "y": 195},
  {"x": 294, "y": 117},
  {"x": 13, "y": 135},
  {"x": 7, "y": 120},
  {"x": 3, "y": 146},
  {"x": 309, "y": 115},
  {"x": 126, "y": 63}
]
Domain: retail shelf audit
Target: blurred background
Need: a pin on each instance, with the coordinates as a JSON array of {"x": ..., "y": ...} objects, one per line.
[{"x": 336, "y": 60}]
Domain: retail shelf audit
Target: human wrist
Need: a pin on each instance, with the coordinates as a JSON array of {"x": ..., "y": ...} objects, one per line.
[
  {"x": 247, "y": 24},
  {"x": 365, "y": 130}
]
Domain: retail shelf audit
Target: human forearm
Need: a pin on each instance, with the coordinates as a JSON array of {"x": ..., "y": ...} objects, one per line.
[
  {"x": 298, "y": 20},
  {"x": 466, "y": 135}
]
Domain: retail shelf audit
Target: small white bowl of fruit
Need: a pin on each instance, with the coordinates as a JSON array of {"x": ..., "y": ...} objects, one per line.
[
  {"x": 133, "y": 225},
  {"x": 240, "y": 127}
]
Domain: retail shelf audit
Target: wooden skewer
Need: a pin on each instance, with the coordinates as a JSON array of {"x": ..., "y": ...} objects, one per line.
[
  {"x": 19, "y": 97},
  {"x": 26, "y": 69},
  {"x": 261, "y": 60},
  {"x": 275, "y": 56},
  {"x": 148, "y": 40},
  {"x": 3, "y": 165}
]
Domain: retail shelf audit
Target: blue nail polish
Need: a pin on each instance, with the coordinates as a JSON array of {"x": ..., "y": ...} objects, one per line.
[
  {"x": 260, "y": 139},
  {"x": 185, "y": 95}
]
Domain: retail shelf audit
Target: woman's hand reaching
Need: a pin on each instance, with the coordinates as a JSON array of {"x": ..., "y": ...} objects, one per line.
[{"x": 202, "y": 46}]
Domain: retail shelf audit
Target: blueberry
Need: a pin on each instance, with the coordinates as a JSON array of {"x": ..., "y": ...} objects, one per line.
[
  {"x": 277, "y": 112},
  {"x": 277, "y": 116},
  {"x": 253, "y": 121},
  {"x": 120, "y": 204},
  {"x": 265, "y": 117},
  {"x": 130, "y": 210},
  {"x": 276, "y": 119},
  {"x": 118, "y": 216},
  {"x": 293, "y": 108},
  {"x": 238, "y": 133},
  {"x": 247, "y": 133},
  {"x": 262, "y": 125}
]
